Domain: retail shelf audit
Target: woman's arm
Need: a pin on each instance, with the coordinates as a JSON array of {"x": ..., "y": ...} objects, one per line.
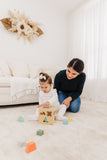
[
  {"x": 79, "y": 90},
  {"x": 67, "y": 101},
  {"x": 75, "y": 94}
]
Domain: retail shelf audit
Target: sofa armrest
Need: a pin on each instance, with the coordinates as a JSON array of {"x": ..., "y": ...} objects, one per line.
[{"x": 4, "y": 82}]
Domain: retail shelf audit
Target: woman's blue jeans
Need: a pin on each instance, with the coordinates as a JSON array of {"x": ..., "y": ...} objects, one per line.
[{"x": 74, "y": 105}]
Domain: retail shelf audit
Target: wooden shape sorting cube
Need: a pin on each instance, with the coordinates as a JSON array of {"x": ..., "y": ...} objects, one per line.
[
  {"x": 31, "y": 146},
  {"x": 47, "y": 115}
]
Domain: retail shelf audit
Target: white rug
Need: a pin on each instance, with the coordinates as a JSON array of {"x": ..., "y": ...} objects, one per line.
[{"x": 83, "y": 139}]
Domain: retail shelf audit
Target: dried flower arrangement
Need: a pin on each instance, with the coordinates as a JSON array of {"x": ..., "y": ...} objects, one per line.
[{"x": 22, "y": 25}]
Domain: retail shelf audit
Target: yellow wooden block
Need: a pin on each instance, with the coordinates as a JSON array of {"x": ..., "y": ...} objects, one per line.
[
  {"x": 47, "y": 115},
  {"x": 70, "y": 120}
]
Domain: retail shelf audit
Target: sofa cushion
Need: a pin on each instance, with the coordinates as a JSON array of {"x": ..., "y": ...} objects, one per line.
[
  {"x": 4, "y": 70},
  {"x": 18, "y": 69}
]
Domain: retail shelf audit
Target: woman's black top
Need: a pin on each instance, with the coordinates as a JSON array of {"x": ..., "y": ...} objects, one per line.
[{"x": 73, "y": 86}]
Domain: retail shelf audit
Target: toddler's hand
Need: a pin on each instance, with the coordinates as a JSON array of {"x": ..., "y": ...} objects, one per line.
[
  {"x": 40, "y": 105},
  {"x": 46, "y": 104}
]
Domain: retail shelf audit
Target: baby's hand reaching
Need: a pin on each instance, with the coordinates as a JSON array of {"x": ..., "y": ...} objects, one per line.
[
  {"x": 40, "y": 105},
  {"x": 46, "y": 104}
]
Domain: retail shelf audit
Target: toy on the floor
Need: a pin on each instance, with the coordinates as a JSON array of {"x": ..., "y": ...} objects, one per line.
[
  {"x": 40, "y": 132},
  {"x": 70, "y": 120},
  {"x": 21, "y": 119},
  {"x": 31, "y": 146},
  {"x": 65, "y": 122},
  {"x": 47, "y": 115}
]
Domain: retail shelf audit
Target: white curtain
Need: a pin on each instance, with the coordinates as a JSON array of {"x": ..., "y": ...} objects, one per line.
[{"x": 88, "y": 41}]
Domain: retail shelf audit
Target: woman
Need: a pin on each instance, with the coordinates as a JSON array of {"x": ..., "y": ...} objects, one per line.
[{"x": 69, "y": 84}]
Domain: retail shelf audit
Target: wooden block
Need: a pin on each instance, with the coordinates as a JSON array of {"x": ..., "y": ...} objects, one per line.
[
  {"x": 47, "y": 115},
  {"x": 40, "y": 132},
  {"x": 65, "y": 122},
  {"x": 31, "y": 146},
  {"x": 70, "y": 120}
]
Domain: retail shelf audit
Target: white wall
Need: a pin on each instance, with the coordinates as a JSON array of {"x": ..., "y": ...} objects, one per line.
[{"x": 49, "y": 49}]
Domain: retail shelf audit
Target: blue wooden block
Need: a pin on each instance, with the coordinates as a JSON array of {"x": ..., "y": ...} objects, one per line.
[
  {"x": 65, "y": 122},
  {"x": 21, "y": 119}
]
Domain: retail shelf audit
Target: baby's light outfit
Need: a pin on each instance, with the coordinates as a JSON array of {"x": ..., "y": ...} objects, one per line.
[{"x": 52, "y": 98}]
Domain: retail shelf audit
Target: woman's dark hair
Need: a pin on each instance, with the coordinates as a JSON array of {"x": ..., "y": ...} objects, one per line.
[
  {"x": 44, "y": 77},
  {"x": 77, "y": 64}
]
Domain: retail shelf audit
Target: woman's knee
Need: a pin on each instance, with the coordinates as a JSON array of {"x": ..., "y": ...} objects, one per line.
[{"x": 75, "y": 105}]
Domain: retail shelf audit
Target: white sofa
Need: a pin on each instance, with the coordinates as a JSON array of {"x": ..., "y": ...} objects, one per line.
[
  {"x": 16, "y": 69},
  {"x": 5, "y": 94}
]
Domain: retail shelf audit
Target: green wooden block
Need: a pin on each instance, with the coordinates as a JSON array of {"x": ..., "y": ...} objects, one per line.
[{"x": 40, "y": 132}]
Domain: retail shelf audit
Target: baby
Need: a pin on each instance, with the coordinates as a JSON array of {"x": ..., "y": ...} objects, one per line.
[{"x": 48, "y": 97}]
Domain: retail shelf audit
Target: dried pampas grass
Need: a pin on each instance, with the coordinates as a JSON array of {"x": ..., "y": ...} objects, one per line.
[{"x": 21, "y": 24}]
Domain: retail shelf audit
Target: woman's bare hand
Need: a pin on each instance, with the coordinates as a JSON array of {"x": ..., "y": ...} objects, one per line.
[{"x": 67, "y": 101}]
